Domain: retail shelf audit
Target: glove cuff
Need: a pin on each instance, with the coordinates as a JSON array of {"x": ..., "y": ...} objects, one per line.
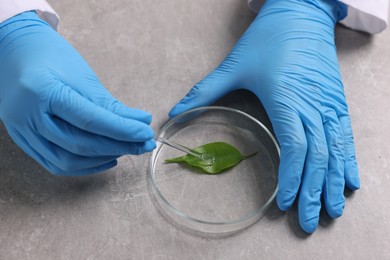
[
  {"x": 334, "y": 8},
  {"x": 19, "y": 21}
]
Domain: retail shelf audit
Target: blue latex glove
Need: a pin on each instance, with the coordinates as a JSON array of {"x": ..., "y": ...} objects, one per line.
[
  {"x": 287, "y": 57},
  {"x": 54, "y": 107}
]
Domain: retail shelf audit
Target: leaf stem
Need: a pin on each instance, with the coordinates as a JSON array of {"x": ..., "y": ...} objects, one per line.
[{"x": 248, "y": 156}]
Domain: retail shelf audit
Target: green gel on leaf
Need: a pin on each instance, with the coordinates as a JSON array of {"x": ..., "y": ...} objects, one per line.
[{"x": 224, "y": 156}]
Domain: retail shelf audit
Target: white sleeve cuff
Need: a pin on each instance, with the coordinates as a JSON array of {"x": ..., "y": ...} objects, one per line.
[
  {"x": 368, "y": 16},
  {"x": 363, "y": 15},
  {"x": 10, "y": 8}
]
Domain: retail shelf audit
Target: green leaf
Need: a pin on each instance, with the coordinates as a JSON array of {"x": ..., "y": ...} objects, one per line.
[{"x": 224, "y": 156}]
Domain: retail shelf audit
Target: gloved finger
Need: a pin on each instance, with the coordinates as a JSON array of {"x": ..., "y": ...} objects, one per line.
[
  {"x": 292, "y": 140},
  {"x": 53, "y": 167},
  {"x": 334, "y": 180},
  {"x": 120, "y": 109},
  {"x": 351, "y": 172},
  {"x": 70, "y": 106},
  {"x": 104, "y": 99},
  {"x": 57, "y": 171},
  {"x": 64, "y": 160},
  {"x": 309, "y": 202},
  {"x": 214, "y": 86},
  {"x": 84, "y": 143}
]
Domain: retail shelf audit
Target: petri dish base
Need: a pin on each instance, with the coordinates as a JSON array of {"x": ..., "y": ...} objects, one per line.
[{"x": 220, "y": 203}]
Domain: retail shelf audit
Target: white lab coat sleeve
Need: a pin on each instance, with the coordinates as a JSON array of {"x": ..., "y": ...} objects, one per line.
[
  {"x": 10, "y": 8},
  {"x": 364, "y": 15},
  {"x": 367, "y": 15}
]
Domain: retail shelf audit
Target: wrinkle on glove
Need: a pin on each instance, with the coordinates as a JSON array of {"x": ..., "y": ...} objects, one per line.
[
  {"x": 54, "y": 107},
  {"x": 287, "y": 57}
]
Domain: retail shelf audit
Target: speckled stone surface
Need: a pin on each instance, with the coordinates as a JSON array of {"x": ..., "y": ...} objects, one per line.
[{"x": 148, "y": 54}]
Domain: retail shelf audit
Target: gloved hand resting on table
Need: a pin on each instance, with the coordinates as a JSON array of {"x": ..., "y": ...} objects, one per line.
[
  {"x": 54, "y": 107},
  {"x": 287, "y": 57}
]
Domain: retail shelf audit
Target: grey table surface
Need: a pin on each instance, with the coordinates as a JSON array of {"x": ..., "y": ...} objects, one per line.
[{"x": 149, "y": 54}]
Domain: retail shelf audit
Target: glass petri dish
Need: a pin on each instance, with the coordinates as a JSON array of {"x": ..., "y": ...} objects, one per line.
[{"x": 221, "y": 203}]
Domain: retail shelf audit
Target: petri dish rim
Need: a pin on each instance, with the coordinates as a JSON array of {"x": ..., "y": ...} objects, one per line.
[{"x": 227, "y": 226}]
